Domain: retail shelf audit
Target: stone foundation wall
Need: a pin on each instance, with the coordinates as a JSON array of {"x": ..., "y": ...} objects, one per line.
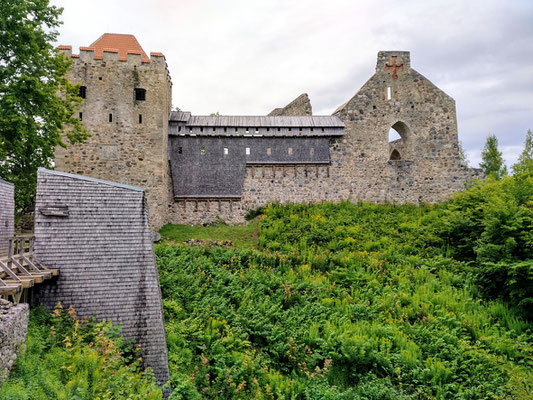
[
  {"x": 13, "y": 330},
  {"x": 393, "y": 182}
]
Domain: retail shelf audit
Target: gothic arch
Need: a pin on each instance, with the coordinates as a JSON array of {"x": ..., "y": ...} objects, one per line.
[
  {"x": 395, "y": 155},
  {"x": 399, "y": 139}
]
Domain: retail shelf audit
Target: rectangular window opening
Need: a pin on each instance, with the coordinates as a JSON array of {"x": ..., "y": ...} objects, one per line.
[
  {"x": 140, "y": 118},
  {"x": 202, "y": 151},
  {"x": 110, "y": 119},
  {"x": 389, "y": 92},
  {"x": 290, "y": 150},
  {"x": 269, "y": 151},
  {"x": 139, "y": 94},
  {"x": 179, "y": 128},
  {"x": 83, "y": 92},
  {"x": 81, "y": 116},
  {"x": 225, "y": 129},
  {"x": 226, "y": 151},
  {"x": 247, "y": 151},
  {"x": 180, "y": 150}
]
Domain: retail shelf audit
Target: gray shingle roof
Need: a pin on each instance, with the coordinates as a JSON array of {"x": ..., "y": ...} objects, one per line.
[
  {"x": 104, "y": 251},
  {"x": 318, "y": 121}
]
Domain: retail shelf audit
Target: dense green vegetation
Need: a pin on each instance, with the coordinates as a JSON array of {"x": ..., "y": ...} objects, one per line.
[
  {"x": 69, "y": 359},
  {"x": 344, "y": 301}
]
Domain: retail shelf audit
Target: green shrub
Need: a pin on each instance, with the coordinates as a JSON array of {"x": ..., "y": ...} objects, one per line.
[{"x": 67, "y": 358}]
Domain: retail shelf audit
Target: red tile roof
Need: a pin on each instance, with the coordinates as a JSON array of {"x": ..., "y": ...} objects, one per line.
[{"x": 123, "y": 43}]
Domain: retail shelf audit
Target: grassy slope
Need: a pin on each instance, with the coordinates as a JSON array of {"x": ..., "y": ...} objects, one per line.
[
  {"x": 340, "y": 302},
  {"x": 242, "y": 236}
]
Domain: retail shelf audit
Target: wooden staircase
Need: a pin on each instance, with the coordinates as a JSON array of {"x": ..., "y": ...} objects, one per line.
[{"x": 20, "y": 270}]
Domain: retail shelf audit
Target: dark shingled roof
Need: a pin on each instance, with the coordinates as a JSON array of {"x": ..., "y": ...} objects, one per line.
[
  {"x": 104, "y": 250},
  {"x": 315, "y": 121},
  {"x": 184, "y": 124}
]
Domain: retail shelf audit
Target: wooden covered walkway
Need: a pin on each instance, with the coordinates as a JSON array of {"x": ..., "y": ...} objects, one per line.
[{"x": 20, "y": 270}]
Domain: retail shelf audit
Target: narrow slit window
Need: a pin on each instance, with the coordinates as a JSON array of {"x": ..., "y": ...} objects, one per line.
[
  {"x": 201, "y": 129},
  {"x": 202, "y": 151},
  {"x": 290, "y": 150},
  {"x": 247, "y": 151},
  {"x": 139, "y": 94},
  {"x": 225, "y": 129},
  {"x": 389, "y": 92},
  {"x": 83, "y": 92},
  {"x": 110, "y": 117},
  {"x": 226, "y": 151},
  {"x": 214, "y": 129},
  {"x": 81, "y": 116},
  {"x": 180, "y": 150},
  {"x": 269, "y": 151},
  {"x": 179, "y": 128},
  {"x": 140, "y": 118}
]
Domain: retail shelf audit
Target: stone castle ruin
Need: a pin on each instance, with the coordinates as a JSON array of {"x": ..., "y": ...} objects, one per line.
[{"x": 196, "y": 169}]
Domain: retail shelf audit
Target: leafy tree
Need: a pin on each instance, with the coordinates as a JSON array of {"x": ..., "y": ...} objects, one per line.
[
  {"x": 37, "y": 102},
  {"x": 492, "y": 162},
  {"x": 525, "y": 161},
  {"x": 462, "y": 155}
]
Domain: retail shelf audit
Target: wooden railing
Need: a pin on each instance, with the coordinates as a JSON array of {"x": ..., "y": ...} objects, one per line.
[{"x": 20, "y": 270}]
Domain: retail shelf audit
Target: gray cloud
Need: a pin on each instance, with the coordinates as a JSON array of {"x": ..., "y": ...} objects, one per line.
[{"x": 247, "y": 57}]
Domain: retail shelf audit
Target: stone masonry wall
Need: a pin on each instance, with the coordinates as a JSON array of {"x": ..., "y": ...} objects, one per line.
[
  {"x": 126, "y": 150},
  {"x": 7, "y": 213},
  {"x": 298, "y": 107},
  {"x": 13, "y": 330},
  {"x": 429, "y": 170}
]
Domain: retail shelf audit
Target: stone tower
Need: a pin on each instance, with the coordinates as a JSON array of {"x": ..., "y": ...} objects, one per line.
[{"x": 126, "y": 107}]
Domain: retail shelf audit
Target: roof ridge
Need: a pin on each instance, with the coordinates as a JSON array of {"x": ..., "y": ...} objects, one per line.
[{"x": 90, "y": 179}]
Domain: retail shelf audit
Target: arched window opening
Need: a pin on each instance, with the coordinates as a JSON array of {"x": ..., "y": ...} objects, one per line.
[
  {"x": 394, "y": 135},
  {"x": 395, "y": 155},
  {"x": 399, "y": 139}
]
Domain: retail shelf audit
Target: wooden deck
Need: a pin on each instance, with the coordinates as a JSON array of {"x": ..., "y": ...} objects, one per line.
[{"x": 20, "y": 270}]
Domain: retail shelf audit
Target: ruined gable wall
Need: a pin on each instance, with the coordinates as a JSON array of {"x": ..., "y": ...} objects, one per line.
[
  {"x": 430, "y": 169},
  {"x": 123, "y": 150}
]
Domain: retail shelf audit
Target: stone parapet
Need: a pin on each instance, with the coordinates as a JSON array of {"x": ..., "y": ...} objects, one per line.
[{"x": 13, "y": 330}]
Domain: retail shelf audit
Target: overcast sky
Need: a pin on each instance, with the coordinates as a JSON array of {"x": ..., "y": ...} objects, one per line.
[{"x": 247, "y": 57}]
